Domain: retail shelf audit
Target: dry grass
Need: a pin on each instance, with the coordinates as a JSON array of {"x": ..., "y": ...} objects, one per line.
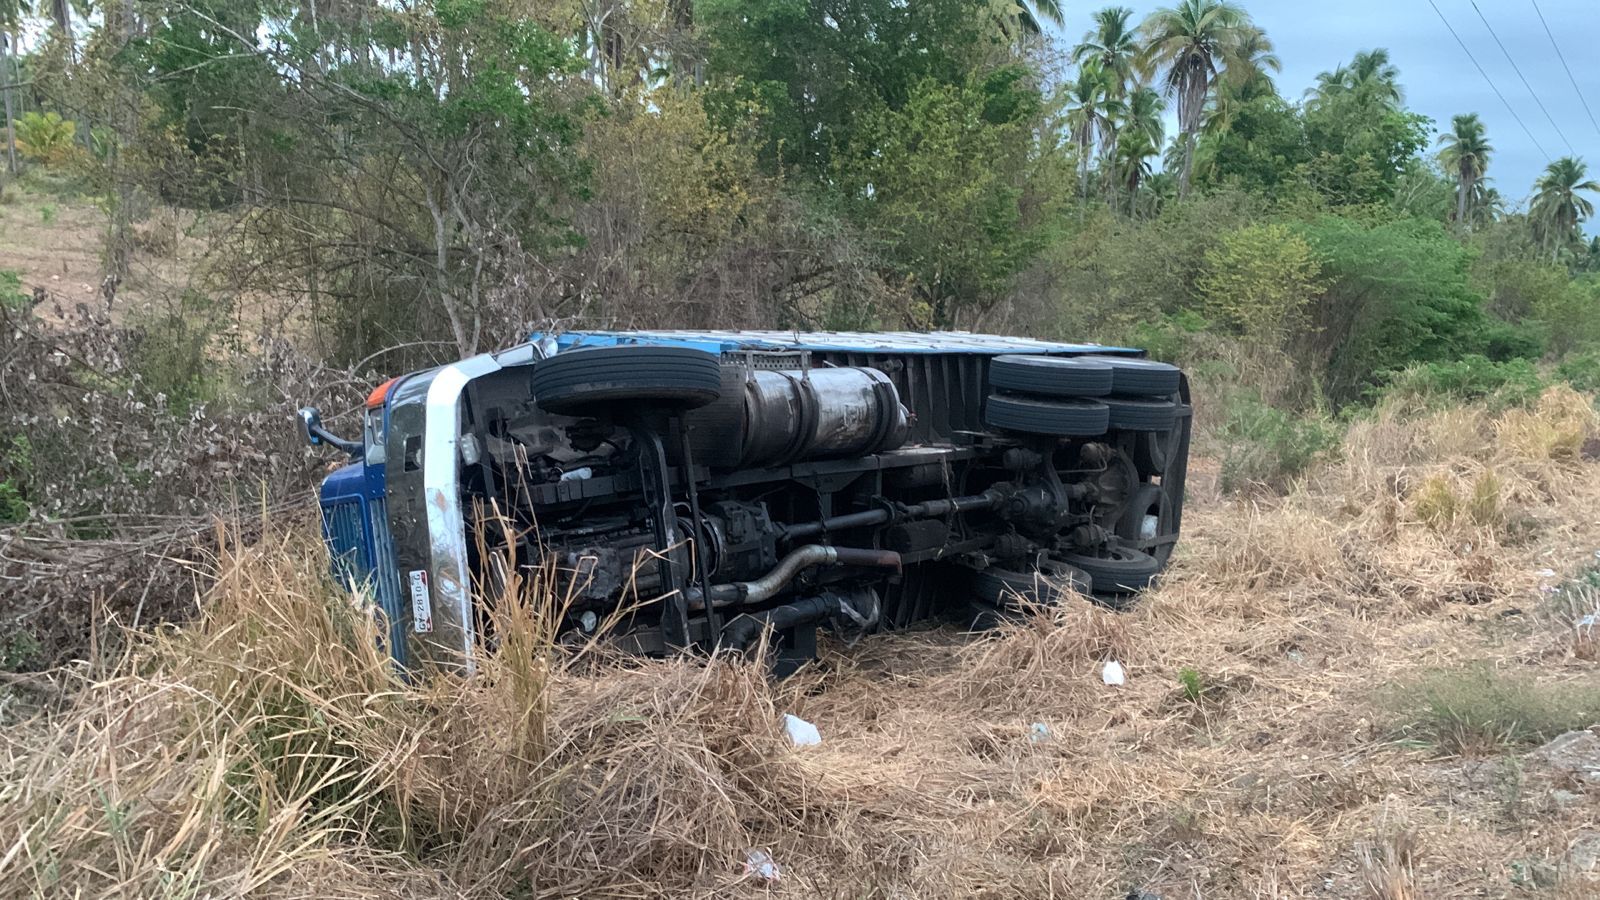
[{"x": 267, "y": 750}]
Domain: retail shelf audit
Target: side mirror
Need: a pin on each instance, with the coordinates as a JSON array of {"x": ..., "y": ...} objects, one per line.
[{"x": 311, "y": 426}]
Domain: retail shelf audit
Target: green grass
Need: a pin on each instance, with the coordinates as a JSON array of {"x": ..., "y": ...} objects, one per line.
[{"x": 1476, "y": 710}]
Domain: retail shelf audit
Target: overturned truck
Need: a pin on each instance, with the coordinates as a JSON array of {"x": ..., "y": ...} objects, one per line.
[{"x": 704, "y": 490}]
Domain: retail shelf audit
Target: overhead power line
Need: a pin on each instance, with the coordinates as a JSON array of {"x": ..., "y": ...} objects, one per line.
[
  {"x": 1570, "y": 77},
  {"x": 1518, "y": 69},
  {"x": 1490, "y": 81}
]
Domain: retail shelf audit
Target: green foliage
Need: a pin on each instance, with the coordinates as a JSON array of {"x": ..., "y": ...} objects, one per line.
[
  {"x": 938, "y": 187},
  {"x": 1263, "y": 446},
  {"x": 172, "y": 351},
  {"x": 1581, "y": 370},
  {"x": 13, "y": 508},
  {"x": 1471, "y": 378},
  {"x": 1169, "y": 338},
  {"x": 19, "y": 651},
  {"x": 1262, "y": 151},
  {"x": 1397, "y": 293},
  {"x": 1358, "y": 150},
  {"x": 1258, "y": 281},
  {"x": 45, "y": 137},
  {"x": 1193, "y": 685},
  {"x": 12, "y": 296},
  {"x": 1478, "y": 710},
  {"x": 47, "y": 213}
]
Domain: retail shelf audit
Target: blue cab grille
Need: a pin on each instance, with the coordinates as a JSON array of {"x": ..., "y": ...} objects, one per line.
[{"x": 363, "y": 554}]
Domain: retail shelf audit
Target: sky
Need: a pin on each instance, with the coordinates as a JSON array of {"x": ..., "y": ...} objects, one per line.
[{"x": 1438, "y": 77}]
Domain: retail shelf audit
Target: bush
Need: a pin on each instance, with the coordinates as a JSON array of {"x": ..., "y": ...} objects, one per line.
[
  {"x": 1470, "y": 378},
  {"x": 1477, "y": 710},
  {"x": 1266, "y": 446},
  {"x": 1258, "y": 281},
  {"x": 11, "y": 294},
  {"x": 1169, "y": 338},
  {"x": 1581, "y": 370},
  {"x": 45, "y": 137}
]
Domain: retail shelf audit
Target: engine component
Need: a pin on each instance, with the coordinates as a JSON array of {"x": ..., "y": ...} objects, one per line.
[
  {"x": 579, "y": 381},
  {"x": 1051, "y": 376},
  {"x": 1063, "y": 418},
  {"x": 783, "y": 416},
  {"x": 744, "y": 541},
  {"x": 768, "y": 585},
  {"x": 854, "y": 610}
]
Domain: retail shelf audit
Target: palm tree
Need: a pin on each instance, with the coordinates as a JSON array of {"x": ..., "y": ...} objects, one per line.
[
  {"x": 1132, "y": 163},
  {"x": 1369, "y": 76},
  {"x": 1142, "y": 114},
  {"x": 1253, "y": 58},
  {"x": 1557, "y": 210},
  {"x": 1111, "y": 44},
  {"x": 1091, "y": 113},
  {"x": 1032, "y": 16},
  {"x": 1487, "y": 205},
  {"x": 1466, "y": 156},
  {"x": 1371, "y": 73},
  {"x": 1192, "y": 41}
]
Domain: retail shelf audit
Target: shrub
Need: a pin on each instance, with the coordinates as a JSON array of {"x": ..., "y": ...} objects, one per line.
[
  {"x": 1476, "y": 710},
  {"x": 1581, "y": 370},
  {"x": 1440, "y": 506},
  {"x": 1472, "y": 377},
  {"x": 13, "y": 508},
  {"x": 1169, "y": 338},
  {"x": 11, "y": 294},
  {"x": 1266, "y": 446},
  {"x": 45, "y": 137},
  {"x": 1258, "y": 281}
]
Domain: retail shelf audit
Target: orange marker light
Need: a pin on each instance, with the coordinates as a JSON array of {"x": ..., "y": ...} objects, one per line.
[{"x": 379, "y": 394}]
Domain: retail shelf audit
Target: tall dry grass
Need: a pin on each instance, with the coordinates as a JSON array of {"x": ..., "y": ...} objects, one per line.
[{"x": 268, "y": 749}]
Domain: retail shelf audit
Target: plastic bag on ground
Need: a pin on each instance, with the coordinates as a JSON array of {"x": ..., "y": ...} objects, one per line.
[{"x": 801, "y": 732}]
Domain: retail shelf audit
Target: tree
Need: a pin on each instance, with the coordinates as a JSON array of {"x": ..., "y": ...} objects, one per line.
[
  {"x": 1255, "y": 56},
  {"x": 1370, "y": 77},
  {"x": 1359, "y": 138},
  {"x": 1465, "y": 155},
  {"x": 1091, "y": 114},
  {"x": 1112, "y": 45},
  {"x": 1034, "y": 14},
  {"x": 1192, "y": 42},
  {"x": 1557, "y": 209}
]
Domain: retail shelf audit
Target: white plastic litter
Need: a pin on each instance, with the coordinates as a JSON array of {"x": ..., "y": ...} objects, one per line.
[
  {"x": 1038, "y": 733},
  {"x": 801, "y": 732},
  {"x": 1112, "y": 673},
  {"x": 1546, "y": 573},
  {"x": 1588, "y": 622},
  {"x": 760, "y": 864}
]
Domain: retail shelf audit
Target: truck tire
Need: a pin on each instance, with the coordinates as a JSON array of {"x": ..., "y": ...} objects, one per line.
[
  {"x": 1134, "y": 377},
  {"x": 1129, "y": 414},
  {"x": 1064, "y": 418},
  {"x": 1051, "y": 376},
  {"x": 576, "y": 381},
  {"x": 1115, "y": 570},
  {"x": 1053, "y": 583}
]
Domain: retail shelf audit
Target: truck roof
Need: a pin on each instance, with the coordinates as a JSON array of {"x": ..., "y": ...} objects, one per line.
[{"x": 828, "y": 341}]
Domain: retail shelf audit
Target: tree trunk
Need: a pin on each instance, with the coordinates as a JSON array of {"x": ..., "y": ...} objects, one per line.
[
  {"x": 1463, "y": 187},
  {"x": 1188, "y": 165},
  {"x": 5, "y": 78}
]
